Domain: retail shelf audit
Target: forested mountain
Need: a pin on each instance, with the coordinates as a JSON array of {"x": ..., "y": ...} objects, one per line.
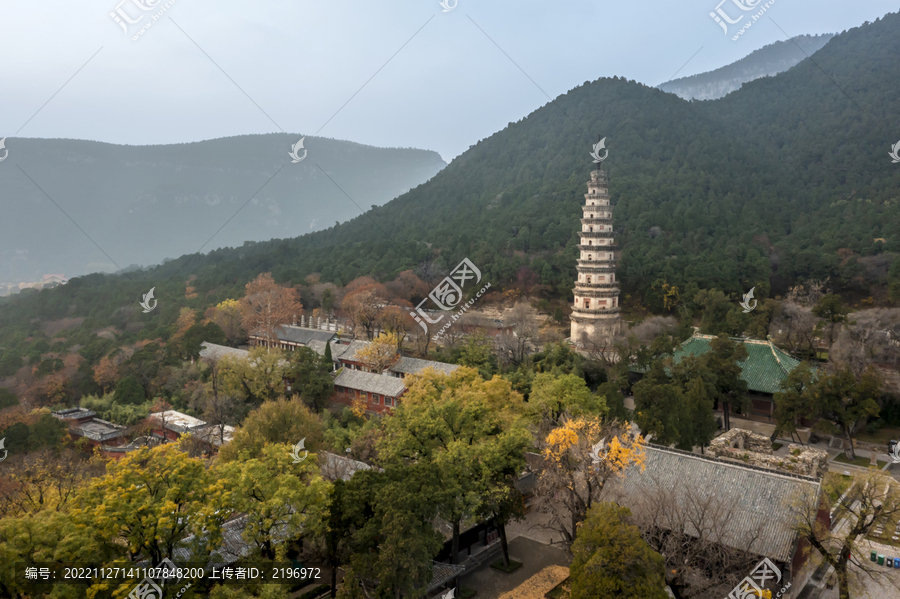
[
  {"x": 787, "y": 178},
  {"x": 143, "y": 204},
  {"x": 765, "y": 62}
]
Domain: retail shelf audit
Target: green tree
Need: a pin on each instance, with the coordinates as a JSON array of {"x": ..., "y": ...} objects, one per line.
[
  {"x": 832, "y": 309},
  {"x": 466, "y": 428},
  {"x": 612, "y": 560},
  {"x": 129, "y": 392},
  {"x": 310, "y": 376},
  {"x": 280, "y": 421},
  {"x": 258, "y": 377},
  {"x": 477, "y": 353},
  {"x": 792, "y": 401},
  {"x": 659, "y": 406},
  {"x": 699, "y": 425},
  {"x": 281, "y": 500},
  {"x": 724, "y": 361},
  {"x": 149, "y": 502},
  {"x": 843, "y": 402},
  {"x": 551, "y": 395}
]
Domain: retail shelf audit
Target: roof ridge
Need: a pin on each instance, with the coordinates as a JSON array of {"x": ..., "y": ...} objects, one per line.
[{"x": 731, "y": 464}]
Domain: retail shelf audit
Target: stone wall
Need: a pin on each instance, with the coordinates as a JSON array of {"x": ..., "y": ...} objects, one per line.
[{"x": 756, "y": 450}]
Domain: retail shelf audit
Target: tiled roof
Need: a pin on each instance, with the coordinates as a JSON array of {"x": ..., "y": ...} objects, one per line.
[
  {"x": 334, "y": 466},
  {"x": 74, "y": 414},
  {"x": 342, "y": 351},
  {"x": 99, "y": 430},
  {"x": 381, "y": 384},
  {"x": 213, "y": 434},
  {"x": 178, "y": 422},
  {"x": 763, "y": 370},
  {"x": 211, "y": 351},
  {"x": 408, "y": 365},
  {"x": 302, "y": 335},
  {"x": 441, "y": 574},
  {"x": 764, "y": 499}
]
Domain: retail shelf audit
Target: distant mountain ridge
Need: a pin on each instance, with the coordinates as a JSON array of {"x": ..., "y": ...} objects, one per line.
[
  {"x": 143, "y": 204},
  {"x": 765, "y": 62}
]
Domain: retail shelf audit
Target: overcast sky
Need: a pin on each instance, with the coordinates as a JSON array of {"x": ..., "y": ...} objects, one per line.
[{"x": 406, "y": 73}]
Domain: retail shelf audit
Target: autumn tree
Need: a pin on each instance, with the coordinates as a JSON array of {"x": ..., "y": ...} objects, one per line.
[
  {"x": 874, "y": 504},
  {"x": 258, "y": 377},
  {"x": 396, "y": 321},
  {"x": 612, "y": 560},
  {"x": 106, "y": 372},
  {"x": 280, "y": 421},
  {"x": 381, "y": 353},
  {"x": 571, "y": 473},
  {"x": 44, "y": 480},
  {"x": 228, "y": 314},
  {"x": 279, "y": 499},
  {"x": 266, "y": 306},
  {"x": 363, "y": 307},
  {"x": 468, "y": 429},
  {"x": 149, "y": 502}
]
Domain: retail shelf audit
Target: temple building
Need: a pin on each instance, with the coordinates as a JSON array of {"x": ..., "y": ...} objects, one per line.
[{"x": 595, "y": 312}]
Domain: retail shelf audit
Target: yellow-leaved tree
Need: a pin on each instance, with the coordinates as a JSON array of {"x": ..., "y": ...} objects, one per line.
[
  {"x": 577, "y": 458},
  {"x": 381, "y": 353}
]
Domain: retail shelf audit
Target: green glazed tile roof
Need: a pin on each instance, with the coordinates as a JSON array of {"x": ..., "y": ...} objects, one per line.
[{"x": 764, "y": 369}]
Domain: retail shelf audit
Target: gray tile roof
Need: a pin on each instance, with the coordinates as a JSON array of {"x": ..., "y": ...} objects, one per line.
[
  {"x": 99, "y": 430},
  {"x": 302, "y": 335},
  {"x": 763, "y": 498},
  {"x": 211, "y": 351},
  {"x": 74, "y": 414},
  {"x": 381, "y": 384},
  {"x": 408, "y": 365},
  {"x": 334, "y": 466}
]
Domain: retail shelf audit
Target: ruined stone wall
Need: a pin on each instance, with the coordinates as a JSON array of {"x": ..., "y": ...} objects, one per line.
[{"x": 756, "y": 450}]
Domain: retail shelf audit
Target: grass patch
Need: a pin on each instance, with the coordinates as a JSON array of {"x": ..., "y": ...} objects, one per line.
[
  {"x": 561, "y": 591},
  {"x": 513, "y": 566},
  {"x": 777, "y": 446},
  {"x": 879, "y": 437},
  {"x": 859, "y": 461}
]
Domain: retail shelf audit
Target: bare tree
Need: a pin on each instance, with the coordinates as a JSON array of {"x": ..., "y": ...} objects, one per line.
[
  {"x": 807, "y": 293},
  {"x": 795, "y": 326},
  {"x": 871, "y": 337},
  {"x": 513, "y": 346},
  {"x": 873, "y": 503},
  {"x": 706, "y": 555}
]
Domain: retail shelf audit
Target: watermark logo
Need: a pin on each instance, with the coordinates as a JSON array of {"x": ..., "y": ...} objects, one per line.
[
  {"x": 146, "y": 303},
  {"x": 2, "y": 446},
  {"x": 6, "y": 152},
  {"x": 295, "y": 151},
  {"x": 448, "y": 5},
  {"x": 146, "y": 589},
  {"x": 893, "y": 451},
  {"x": 746, "y": 303},
  {"x": 297, "y": 449},
  {"x": 598, "y": 451},
  {"x": 124, "y": 20},
  {"x": 451, "y": 594},
  {"x": 448, "y": 295},
  {"x": 600, "y": 145},
  {"x": 754, "y": 586},
  {"x": 894, "y": 153},
  {"x": 723, "y": 19}
]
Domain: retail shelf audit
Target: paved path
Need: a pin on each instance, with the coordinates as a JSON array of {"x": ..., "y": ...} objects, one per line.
[{"x": 535, "y": 558}]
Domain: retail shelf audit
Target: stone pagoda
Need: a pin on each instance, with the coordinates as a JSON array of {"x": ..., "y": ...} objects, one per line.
[{"x": 595, "y": 312}]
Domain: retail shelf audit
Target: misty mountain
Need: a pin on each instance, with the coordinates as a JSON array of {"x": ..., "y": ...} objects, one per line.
[
  {"x": 765, "y": 62},
  {"x": 144, "y": 204}
]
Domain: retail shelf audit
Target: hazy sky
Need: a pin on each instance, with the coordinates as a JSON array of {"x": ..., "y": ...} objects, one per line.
[{"x": 436, "y": 79}]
